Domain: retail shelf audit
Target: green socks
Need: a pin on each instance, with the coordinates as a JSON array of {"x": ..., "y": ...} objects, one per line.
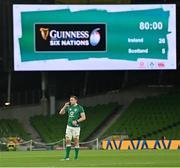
[
  {"x": 68, "y": 149},
  {"x": 76, "y": 152}
]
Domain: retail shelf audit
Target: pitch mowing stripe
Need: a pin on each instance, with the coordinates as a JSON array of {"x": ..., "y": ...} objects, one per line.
[{"x": 88, "y": 167}]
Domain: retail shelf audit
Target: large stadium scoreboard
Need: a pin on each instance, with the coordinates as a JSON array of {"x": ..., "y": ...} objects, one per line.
[{"x": 94, "y": 37}]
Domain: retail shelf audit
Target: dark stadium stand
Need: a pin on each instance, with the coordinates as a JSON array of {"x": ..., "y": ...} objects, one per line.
[
  {"x": 12, "y": 127},
  {"x": 150, "y": 118},
  {"x": 52, "y": 128},
  {"x": 147, "y": 118},
  {"x": 92, "y": 1}
]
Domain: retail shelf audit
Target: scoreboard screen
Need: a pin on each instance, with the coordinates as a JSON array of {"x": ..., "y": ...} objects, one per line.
[{"x": 94, "y": 37}]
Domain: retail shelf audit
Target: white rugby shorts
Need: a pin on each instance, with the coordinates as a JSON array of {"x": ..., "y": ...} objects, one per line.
[{"x": 72, "y": 132}]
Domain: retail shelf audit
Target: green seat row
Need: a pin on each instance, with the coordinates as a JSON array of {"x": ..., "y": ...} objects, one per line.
[
  {"x": 52, "y": 128},
  {"x": 150, "y": 118}
]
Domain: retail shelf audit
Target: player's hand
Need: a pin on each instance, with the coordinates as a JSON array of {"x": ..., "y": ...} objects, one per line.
[
  {"x": 66, "y": 104},
  {"x": 74, "y": 123}
]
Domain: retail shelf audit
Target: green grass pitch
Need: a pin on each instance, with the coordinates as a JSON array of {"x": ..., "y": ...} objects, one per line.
[{"x": 92, "y": 158}]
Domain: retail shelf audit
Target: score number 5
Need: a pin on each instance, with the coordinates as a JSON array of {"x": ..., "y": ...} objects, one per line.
[{"x": 162, "y": 41}]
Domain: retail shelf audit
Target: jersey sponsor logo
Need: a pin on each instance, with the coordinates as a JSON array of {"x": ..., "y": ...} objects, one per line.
[{"x": 71, "y": 114}]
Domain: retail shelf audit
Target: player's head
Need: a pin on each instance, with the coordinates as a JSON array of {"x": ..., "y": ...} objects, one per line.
[{"x": 73, "y": 100}]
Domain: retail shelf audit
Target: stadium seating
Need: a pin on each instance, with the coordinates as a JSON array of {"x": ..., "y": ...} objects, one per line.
[
  {"x": 150, "y": 118},
  {"x": 52, "y": 128},
  {"x": 11, "y": 127}
]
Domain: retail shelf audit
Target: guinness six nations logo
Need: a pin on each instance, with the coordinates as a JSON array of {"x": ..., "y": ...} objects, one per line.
[{"x": 70, "y": 37}]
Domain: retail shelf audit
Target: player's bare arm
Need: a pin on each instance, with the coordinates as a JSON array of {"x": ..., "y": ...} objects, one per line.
[
  {"x": 62, "y": 111},
  {"x": 82, "y": 118}
]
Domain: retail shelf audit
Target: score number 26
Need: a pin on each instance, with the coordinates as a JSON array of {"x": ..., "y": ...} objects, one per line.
[{"x": 162, "y": 41}]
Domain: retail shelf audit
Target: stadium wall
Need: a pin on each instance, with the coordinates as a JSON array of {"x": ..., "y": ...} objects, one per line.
[{"x": 122, "y": 97}]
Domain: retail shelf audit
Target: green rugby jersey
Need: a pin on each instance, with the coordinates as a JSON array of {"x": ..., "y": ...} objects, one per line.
[{"x": 74, "y": 113}]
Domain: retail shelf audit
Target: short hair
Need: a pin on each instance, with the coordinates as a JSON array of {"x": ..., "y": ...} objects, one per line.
[{"x": 75, "y": 97}]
